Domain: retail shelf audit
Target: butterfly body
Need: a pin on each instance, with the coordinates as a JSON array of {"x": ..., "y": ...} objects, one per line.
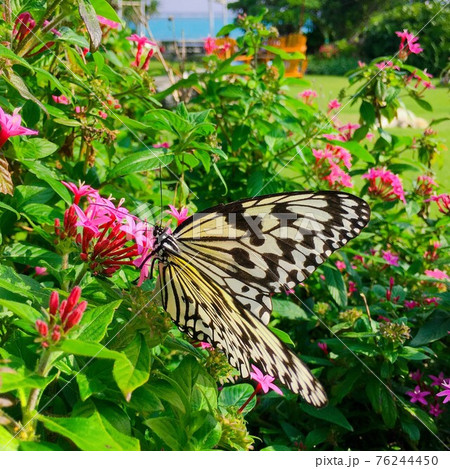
[{"x": 219, "y": 268}]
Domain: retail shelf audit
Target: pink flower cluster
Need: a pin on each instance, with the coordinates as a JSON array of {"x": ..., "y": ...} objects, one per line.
[
  {"x": 426, "y": 84},
  {"x": 61, "y": 99},
  {"x": 387, "y": 64},
  {"x": 107, "y": 24},
  {"x": 425, "y": 390},
  {"x": 107, "y": 235},
  {"x": 442, "y": 201},
  {"x": 385, "y": 184},
  {"x": 329, "y": 162},
  {"x": 437, "y": 274},
  {"x": 61, "y": 317},
  {"x": 425, "y": 185},
  {"x": 142, "y": 42},
  {"x": 209, "y": 45},
  {"x": 10, "y": 126},
  {"x": 308, "y": 96},
  {"x": 408, "y": 44}
]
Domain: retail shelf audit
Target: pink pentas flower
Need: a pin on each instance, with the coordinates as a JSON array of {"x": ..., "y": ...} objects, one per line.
[
  {"x": 385, "y": 184},
  {"x": 437, "y": 274},
  {"x": 437, "y": 380},
  {"x": 351, "y": 287},
  {"x": 102, "y": 114},
  {"x": 348, "y": 129},
  {"x": 40, "y": 270},
  {"x": 411, "y": 304},
  {"x": 180, "y": 216},
  {"x": 161, "y": 145},
  {"x": 425, "y": 185},
  {"x": 10, "y": 126},
  {"x": 390, "y": 258},
  {"x": 142, "y": 42},
  {"x": 446, "y": 392},
  {"x": 108, "y": 23},
  {"x": 61, "y": 99},
  {"x": 432, "y": 300},
  {"x": 333, "y": 104},
  {"x": 265, "y": 382},
  {"x": 361, "y": 64},
  {"x": 418, "y": 395},
  {"x": 209, "y": 45},
  {"x": 308, "y": 96},
  {"x": 408, "y": 44},
  {"x": 435, "y": 410},
  {"x": 416, "y": 375},
  {"x": 388, "y": 64},
  {"x": 324, "y": 347},
  {"x": 79, "y": 191},
  {"x": 340, "y": 265},
  {"x": 442, "y": 201},
  {"x": 428, "y": 85}
]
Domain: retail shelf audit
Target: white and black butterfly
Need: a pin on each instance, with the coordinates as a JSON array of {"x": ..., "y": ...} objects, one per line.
[{"x": 218, "y": 269}]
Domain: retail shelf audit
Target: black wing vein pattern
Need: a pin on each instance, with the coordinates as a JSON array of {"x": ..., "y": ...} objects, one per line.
[{"x": 232, "y": 257}]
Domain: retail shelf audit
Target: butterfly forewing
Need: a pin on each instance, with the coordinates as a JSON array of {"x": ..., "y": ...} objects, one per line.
[
  {"x": 204, "y": 310},
  {"x": 269, "y": 244}
]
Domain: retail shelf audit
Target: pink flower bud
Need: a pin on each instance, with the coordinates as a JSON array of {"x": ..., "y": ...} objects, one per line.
[
  {"x": 62, "y": 308},
  {"x": 42, "y": 327},
  {"x": 53, "y": 303}
]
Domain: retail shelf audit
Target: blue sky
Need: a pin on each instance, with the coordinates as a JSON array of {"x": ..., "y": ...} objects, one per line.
[{"x": 187, "y": 8}]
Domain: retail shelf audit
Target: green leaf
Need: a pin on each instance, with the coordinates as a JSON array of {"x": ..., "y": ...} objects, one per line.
[
  {"x": 91, "y": 433},
  {"x": 169, "y": 431},
  {"x": 142, "y": 161},
  {"x": 336, "y": 285},
  {"x": 23, "y": 310},
  {"x": 49, "y": 176},
  {"x": 225, "y": 30},
  {"x": 45, "y": 75},
  {"x": 367, "y": 112},
  {"x": 19, "y": 284},
  {"x": 288, "y": 309},
  {"x": 34, "y": 148},
  {"x": 316, "y": 436},
  {"x": 103, "y": 8},
  {"x": 356, "y": 150},
  {"x": 388, "y": 408},
  {"x": 71, "y": 37},
  {"x": 23, "y": 379},
  {"x": 329, "y": 413},
  {"x": 17, "y": 82},
  {"x": 8, "y": 442},
  {"x": 95, "y": 321},
  {"x": 133, "y": 370},
  {"x": 88, "y": 349},
  {"x": 145, "y": 400},
  {"x": 434, "y": 329},
  {"x": 235, "y": 396},
  {"x": 283, "y": 336},
  {"x": 6, "y": 53},
  {"x": 283, "y": 54},
  {"x": 30, "y": 254}
]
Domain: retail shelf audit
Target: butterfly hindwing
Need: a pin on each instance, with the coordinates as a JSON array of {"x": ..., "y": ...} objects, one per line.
[
  {"x": 269, "y": 244},
  {"x": 205, "y": 311}
]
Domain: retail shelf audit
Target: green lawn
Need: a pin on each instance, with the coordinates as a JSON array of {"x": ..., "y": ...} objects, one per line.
[{"x": 328, "y": 88}]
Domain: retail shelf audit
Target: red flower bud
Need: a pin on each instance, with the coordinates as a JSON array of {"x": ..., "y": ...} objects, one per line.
[
  {"x": 73, "y": 299},
  {"x": 62, "y": 309},
  {"x": 56, "y": 334},
  {"x": 53, "y": 303},
  {"x": 42, "y": 327},
  {"x": 75, "y": 317}
]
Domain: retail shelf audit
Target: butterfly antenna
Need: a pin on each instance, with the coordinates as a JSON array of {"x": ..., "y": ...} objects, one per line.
[{"x": 160, "y": 194}]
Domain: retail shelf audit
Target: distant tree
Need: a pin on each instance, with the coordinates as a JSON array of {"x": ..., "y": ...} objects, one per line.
[{"x": 336, "y": 19}]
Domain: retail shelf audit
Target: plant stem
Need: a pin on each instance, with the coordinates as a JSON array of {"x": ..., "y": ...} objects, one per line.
[
  {"x": 8, "y": 11},
  {"x": 253, "y": 394},
  {"x": 43, "y": 369}
]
